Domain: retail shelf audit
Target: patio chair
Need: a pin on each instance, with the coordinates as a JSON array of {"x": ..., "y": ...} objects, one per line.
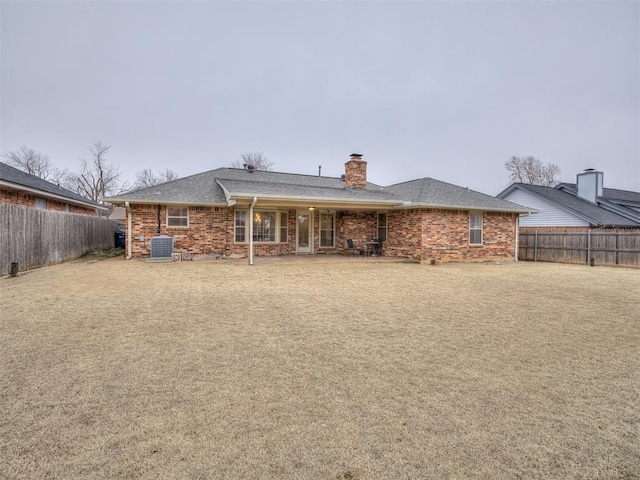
[{"x": 351, "y": 248}]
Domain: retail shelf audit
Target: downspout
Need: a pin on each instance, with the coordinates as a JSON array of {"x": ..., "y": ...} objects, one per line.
[
  {"x": 253, "y": 204},
  {"x": 129, "y": 236}
]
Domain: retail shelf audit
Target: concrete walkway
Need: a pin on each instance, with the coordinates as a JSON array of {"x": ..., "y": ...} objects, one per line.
[{"x": 313, "y": 258}]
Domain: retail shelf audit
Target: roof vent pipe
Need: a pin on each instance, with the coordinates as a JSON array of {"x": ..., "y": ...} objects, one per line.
[
  {"x": 251, "y": 168},
  {"x": 319, "y": 170}
]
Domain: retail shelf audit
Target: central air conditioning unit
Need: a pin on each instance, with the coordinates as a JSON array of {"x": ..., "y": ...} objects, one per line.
[{"x": 162, "y": 246}]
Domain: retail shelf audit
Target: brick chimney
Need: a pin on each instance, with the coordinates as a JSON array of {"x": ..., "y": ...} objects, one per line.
[{"x": 355, "y": 172}]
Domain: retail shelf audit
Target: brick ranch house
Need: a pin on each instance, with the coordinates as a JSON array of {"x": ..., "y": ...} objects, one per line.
[
  {"x": 246, "y": 211},
  {"x": 21, "y": 188}
]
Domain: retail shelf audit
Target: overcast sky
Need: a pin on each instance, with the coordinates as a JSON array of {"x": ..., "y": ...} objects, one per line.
[{"x": 421, "y": 89}]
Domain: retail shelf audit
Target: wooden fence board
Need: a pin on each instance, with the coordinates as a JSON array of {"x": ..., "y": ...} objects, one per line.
[
  {"x": 604, "y": 247},
  {"x": 34, "y": 238}
]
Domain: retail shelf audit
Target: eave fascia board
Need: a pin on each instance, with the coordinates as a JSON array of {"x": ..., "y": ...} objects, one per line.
[
  {"x": 41, "y": 193},
  {"x": 307, "y": 200},
  {"x": 230, "y": 202},
  {"x": 476, "y": 208},
  {"x": 122, "y": 201}
]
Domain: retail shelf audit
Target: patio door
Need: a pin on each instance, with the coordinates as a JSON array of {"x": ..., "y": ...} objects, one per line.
[{"x": 304, "y": 236}]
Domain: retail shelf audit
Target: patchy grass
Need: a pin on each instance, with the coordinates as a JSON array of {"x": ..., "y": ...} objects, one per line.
[
  {"x": 119, "y": 369},
  {"x": 104, "y": 253}
]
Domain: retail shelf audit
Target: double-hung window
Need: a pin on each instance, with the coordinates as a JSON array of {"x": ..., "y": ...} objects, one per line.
[
  {"x": 327, "y": 230},
  {"x": 382, "y": 227},
  {"x": 475, "y": 229},
  {"x": 241, "y": 227},
  {"x": 284, "y": 227},
  {"x": 177, "y": 217}
]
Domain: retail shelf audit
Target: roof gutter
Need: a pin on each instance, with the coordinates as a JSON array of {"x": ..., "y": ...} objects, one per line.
[
  {"x": 465, "y": 207},
  {"x": 43, "y": 193},
  {"x": 230, "y": 202}
]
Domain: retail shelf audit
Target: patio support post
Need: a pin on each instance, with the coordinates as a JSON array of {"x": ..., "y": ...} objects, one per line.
[{"x": 255, "y": 199}]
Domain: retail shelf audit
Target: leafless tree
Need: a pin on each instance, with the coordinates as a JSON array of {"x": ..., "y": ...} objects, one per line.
[
  {"x": 148, "y": 178},
  {"x": 35, "y": 163},
  {"x": 532, "y": 171},
  {"x": 96, "y": 178},
  {"x": 256, "y": 159}
]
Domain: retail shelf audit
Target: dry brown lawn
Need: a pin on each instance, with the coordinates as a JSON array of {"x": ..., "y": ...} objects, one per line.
[{"x": 194, "y": 370}]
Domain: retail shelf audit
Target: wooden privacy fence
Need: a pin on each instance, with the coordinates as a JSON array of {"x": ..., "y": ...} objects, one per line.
[
  {"x": 34, "y": 238},
  {"x": 595, "y": 247}
]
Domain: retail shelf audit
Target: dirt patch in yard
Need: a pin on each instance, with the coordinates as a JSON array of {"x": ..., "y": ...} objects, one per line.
[{"x": 116, "y": 369}]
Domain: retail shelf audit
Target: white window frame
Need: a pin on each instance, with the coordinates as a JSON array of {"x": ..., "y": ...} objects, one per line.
[
  {"x": 170, "y": 217},
  {"x": 240, "y": 229},
  {"x": 473, "y": 228},
  {"x": 332, "y": 230},
  {"x": 283, "y": 227},
  {"x": 280, "y": 216},
  {"x": 40, "y": 203}
]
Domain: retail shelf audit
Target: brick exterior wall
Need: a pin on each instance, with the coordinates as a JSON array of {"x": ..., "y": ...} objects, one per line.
[
  {"x": 419, "y": 234},
  {"x": 355, "y": 173},
  {"x": 26, "y": 199}
]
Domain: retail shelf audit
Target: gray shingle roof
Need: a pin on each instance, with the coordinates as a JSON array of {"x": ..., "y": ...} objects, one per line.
[
  {"x": 595, "y": 214},
  {"x": 206, "y": 188},
  {"x": 427, "y": 192},
  {"x": 623, "y": 197},
  {"x": 17, "y": 177}
]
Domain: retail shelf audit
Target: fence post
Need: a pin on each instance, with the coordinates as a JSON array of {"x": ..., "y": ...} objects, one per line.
[
  {"x": 535, "y": 247},
  {"x": 617, "y": 247},
  {"x": 588, "y": 246}
]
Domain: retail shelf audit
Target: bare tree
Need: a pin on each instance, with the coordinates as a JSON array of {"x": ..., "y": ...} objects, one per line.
[
  {"x": 35, "y": 163},
  {"x": 256, "y": 159},
  {"x": 96, "y": 178},
  {"x": 532, "y": 171},
  {"x": 148, "y": 178}
]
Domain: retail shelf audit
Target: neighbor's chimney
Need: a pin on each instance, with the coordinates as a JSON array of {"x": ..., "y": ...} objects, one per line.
[
  {"x": 590, "y": 185},
  {"x": 355, "y": 172}
]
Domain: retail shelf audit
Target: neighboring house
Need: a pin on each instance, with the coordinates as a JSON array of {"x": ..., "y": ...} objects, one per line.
[
  {"x": 245, "y": 211},
  {"x": 580, "y": 206},
  {"x": 21, "y": 188},
  {"x": 119, "y": 214}
]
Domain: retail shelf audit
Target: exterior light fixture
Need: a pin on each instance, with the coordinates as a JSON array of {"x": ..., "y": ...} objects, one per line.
[{"x": 311, "y": 209}]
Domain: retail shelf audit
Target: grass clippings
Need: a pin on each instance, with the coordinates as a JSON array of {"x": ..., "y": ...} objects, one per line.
[{"x": 352, "y": 370}]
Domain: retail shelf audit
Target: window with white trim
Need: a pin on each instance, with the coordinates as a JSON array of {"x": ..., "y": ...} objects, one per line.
[
  {"x": 284, "y": 227},
  {"x": 41, "y": 203},
  {"x": 475, "y": 228},
  {"x": 241, "y": 226},
  {"x": 264, "y": 226},
  {"x": 327, "y": 229},
  {"x": 177, "y": 217},
  {"x": 268, "y": 227}
]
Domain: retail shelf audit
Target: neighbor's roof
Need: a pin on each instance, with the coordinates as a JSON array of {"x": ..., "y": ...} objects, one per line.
[
  {"x": 427, "y": 192},
  {"x": 12, "y": 177},
  {"x": 592, "y": 213},
  {"x": 217, "y": 187}
]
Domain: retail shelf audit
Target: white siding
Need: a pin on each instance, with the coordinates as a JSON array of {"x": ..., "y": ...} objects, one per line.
[{"x": 549, "y": 216}]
